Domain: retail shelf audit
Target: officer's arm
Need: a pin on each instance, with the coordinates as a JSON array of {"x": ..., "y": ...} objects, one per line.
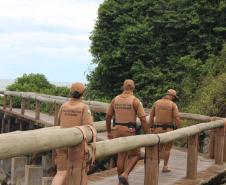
[
  {"x": 143, "y": 122},
  {"x": 152, "y": 116},
  {"x": 176, "y": 116},
  {"x": 109, "y": 115},
  {"x": 142, "y": 116}
]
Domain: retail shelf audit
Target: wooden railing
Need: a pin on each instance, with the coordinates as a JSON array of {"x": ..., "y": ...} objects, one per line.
[
  {"x": 57, "y": 101},
  {"x": 45, "y": 138}
]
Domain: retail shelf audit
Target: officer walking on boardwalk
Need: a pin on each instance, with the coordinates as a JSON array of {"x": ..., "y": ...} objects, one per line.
[
  {"x": 125, "y": 108},
  {"x": 73, "y": 113},
  {"x": 167, "y": 118}
]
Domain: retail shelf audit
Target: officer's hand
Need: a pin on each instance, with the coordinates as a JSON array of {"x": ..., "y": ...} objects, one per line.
[
  {"x": 110, "y": 136},
  {"x": 152, "y": 130}
]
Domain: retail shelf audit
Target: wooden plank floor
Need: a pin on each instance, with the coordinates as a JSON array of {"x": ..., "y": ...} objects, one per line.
[{"x": 177, "y": 164}]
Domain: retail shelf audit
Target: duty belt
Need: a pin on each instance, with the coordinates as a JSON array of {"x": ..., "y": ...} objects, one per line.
[
  {"x": 132, "y": 125},
  {"x": 165, "y": 126},
  {"x": 129, "y": 125}
]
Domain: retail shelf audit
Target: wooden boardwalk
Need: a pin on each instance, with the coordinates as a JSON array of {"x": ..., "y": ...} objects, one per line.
[
  {"x": 178, "y": 160},
  {"x": 177, "y": 164}
]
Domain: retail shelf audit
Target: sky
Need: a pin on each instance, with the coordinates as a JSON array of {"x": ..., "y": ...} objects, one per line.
[{"x": 50, "y": 37}]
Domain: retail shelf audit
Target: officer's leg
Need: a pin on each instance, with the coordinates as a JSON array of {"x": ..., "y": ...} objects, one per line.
[
  {"x": 78, "y": 176},
  {"x": 121, "y": 162},
  {"x": 59, "y": 178},
  {"x": 132, "y": 161},
  {"x": 168, "y": 147},
  {"x": 61, "y": 161}
]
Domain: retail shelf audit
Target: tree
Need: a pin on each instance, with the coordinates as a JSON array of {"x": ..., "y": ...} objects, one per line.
[{"x": 152, "y": 42}]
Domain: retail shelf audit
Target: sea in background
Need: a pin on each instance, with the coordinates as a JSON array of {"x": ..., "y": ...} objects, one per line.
[{"x": 5, "y": 82}]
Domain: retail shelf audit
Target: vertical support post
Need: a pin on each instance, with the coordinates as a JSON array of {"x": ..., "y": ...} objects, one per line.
[
  {"x": 224, "y": 157},
  {"x": 46, "y": 164},
  {"x": 219, "y": 149},
  {"x": 6, "y": 165},
  {"x": 10, "y": 103},
  {"x": 18, "y": 170},
  {"x": 21, "y": 124},
  {"x": 37, "y": 109},
  {"x": 23, "y": 105},
  {"x": 56, "y": 111},
  {"x": 47, "y": 180},
  {"x": 192, "y": 157},
  {"x": 3, "y": 124},
  {"x": 9, "y": 124},
  {"x": 211, "y": 144},
  {"x": 151, "y": 166},
  {"x": 4, "y": 102},
  {"x": 33, "y": 175}
]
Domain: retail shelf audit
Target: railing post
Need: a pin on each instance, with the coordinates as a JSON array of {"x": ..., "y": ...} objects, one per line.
[
  {"x": 47, "y": 180},
  {"x": 192, "y": 157},
  {"x": 33, "y": 175},
  {"x": 4, "y": 102},
  {"x": 18, "y": 169},
  {"x": 211, "y": 144},
  {"x": 9, "y": 124},
  {"x": 10, "y": 103},
  {"x": 224, "y": 158},
  {"x": 151, "y": 166},
  {"x": 219, "y": 148},
  {"x": 3, "y": 123},
  {"x": 56, "y": 111},
  {"x": 23, "y": 105},
  {"x": 37, "y": 109}
]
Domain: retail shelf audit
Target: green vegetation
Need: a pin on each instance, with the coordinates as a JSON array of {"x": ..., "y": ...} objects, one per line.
[
  {"x": 39, "y": 84},
  {"x": 160, "y": 44}
]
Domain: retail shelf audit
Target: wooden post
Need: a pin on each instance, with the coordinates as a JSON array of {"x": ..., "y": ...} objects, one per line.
[
  {"x": 211, "y": 144},
  {"x": 46, "y": 164},
  {"x": 18, "y": 170},
  {"x": 9, "y": 124},
  {"x": 6, "y": 165},
  {"x": 37, "y": 110},
  {"x": 11, "y": 103},
  {"x": 47, "y": 180},
  {"x": 21, "y": 125},
  {"x": 151, "y": 166},
  {"x": 224, "y": 158},
  {"x": 56, "y": 111},
  {"x": 192, "y": 157},
  {"x": 33, "y": 175},
  {"x": 4, "y": 102},
  {"x": 3, "y": 124},
  {"x": 23, "y": 105},
  {"x": 219, "y": 149}
]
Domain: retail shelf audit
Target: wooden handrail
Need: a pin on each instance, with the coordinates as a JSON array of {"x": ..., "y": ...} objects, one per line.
[
  {"x": 45, "y": 139},
  {"x": 22, "y": 142},
  {"x": 96, "y": 106}
]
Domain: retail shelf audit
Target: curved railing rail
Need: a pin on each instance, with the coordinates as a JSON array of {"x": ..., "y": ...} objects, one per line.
[{"x": 95, "y": 106}]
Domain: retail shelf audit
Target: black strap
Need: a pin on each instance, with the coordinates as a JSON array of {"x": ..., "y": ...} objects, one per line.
[
  {"x": 165, "y": 126},
  {"x": 129, "y": 125}
]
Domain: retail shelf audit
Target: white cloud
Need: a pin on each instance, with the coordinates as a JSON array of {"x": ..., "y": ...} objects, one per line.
[
  {"x": 77, "y": 14},
  {"x": 35, "y": 34}
]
